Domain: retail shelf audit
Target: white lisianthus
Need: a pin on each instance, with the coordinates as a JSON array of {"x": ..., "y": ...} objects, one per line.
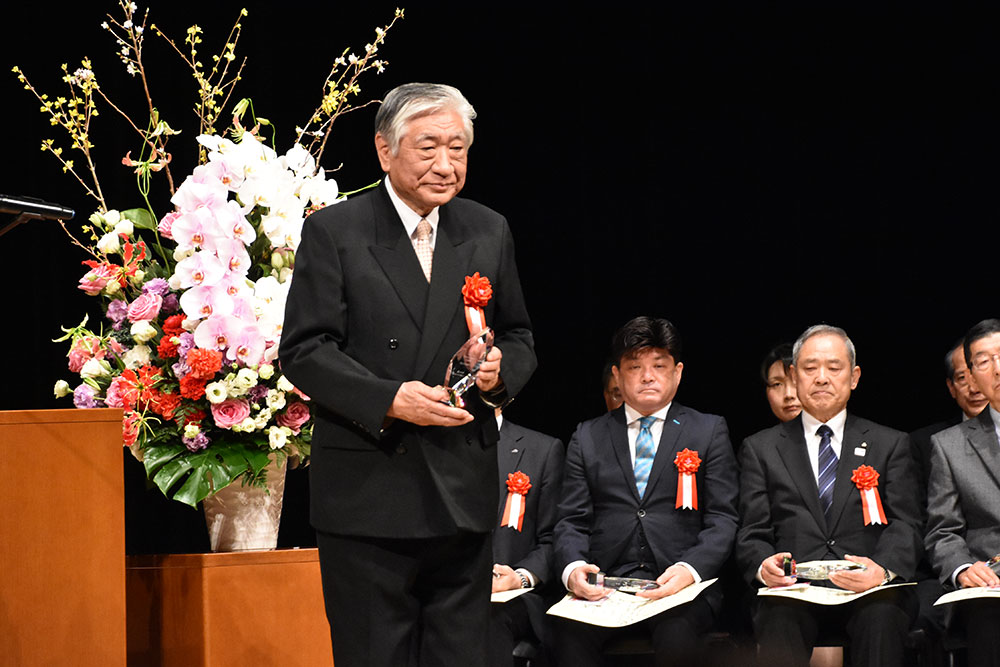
[
  {"x": 246, "y": 377},
  {"x": 125, "y": 227},
  {"x": 112, "y": 287},
  {"x": 183, "y": 253},
  {"x": 216, "y": 392},
  {"x": 61, "y": 389},
  {"x": 111, "y": 218},
  {"x": 283, "y": 384},
  {"x": 143, "y": 331},
  {"x": 262, "y": 418},
  {"x": 109, "y": 244},
  {"x": 285, "y": 274},
  {"x": 277, "y": 436},
  {"x": 138, "y": 277},
  {"x": 191, "y": 430},
  {"x": 137, "y": 356},
  {"x": 266, "y": 371},
  {"x": 95, "y": 368},
  {"x": 275, "y": 399},
  {"x": 248, "y": 425}
]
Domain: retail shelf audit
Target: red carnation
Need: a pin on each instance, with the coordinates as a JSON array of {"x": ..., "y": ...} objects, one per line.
[
  {"x": 167, "y": 349},
  {"x": 192, "y": 387},
  {"x": 172, "y": 325},
  {"x": 204, "y": 363}
]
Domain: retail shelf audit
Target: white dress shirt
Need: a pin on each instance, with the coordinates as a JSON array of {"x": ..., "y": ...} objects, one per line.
[
  {"x": 410, "y": 217},
  {"x": 810, "y": 425}
]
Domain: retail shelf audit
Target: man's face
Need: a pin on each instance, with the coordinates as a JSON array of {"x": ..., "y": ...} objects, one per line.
[
  {"x": 612, "y": 394},
  {"x": 781, "y": 394},
  {"x": 824, "y": 376},
  {"x": 962, "y": 386},
  {"x": 648, "y": 379},
  {"x": 988, "y": 379},
  {"x": 429, "y": 168}
]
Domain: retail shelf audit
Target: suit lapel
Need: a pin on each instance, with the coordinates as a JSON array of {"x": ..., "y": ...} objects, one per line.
[
  {"x": 666, "y": 450},
  {"x": 844, "y": 489},
  {"x": 793, "y": 453},
  {"x": 451, "y": 259},
  {"x": 983, "y": 437},
  {"x": 618, "y": 435},
  {"x": 394, "y": 252}
]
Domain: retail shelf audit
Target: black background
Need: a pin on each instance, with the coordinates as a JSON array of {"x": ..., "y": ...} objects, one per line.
[{"x": 745, "y": 170}]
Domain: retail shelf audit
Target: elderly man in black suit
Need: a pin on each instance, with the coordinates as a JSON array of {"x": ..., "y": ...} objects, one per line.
[
  {"x": 531, "y": 466},
  {"x": 403, "y": 485},
  {"x": 963, "y": 525},
  {"x": 649, "y": 492},
  {"x": 802, "y": 488}
]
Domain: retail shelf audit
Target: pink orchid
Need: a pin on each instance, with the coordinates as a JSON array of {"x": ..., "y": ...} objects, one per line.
[{"x": 201, "y": 302}]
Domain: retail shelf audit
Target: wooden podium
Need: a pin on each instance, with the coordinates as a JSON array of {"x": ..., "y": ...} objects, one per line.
[
  {"x": 62, "y": 538},
  {"x": 248, "y": 608}
]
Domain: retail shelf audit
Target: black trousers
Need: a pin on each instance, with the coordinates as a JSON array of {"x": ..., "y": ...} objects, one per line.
[
  {"x": 875, "y": 628},
  {"x": 675, "y": 635},
  {"x": 978, "y": 621},
  {"x": 407, "y": 602}
]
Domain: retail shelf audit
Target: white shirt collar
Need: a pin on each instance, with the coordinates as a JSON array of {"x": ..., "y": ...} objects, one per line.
[
  {"x": 836, "y": 423},
  {"x": 632, "y": 415},
  {"x": 410, "y": 217}
]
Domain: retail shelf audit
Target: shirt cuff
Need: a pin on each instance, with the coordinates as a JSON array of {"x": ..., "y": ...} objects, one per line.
[
  {"x": 959, "y": 570},
  {"x": 530, "y": 577},
  {"x": 568, "y": 570},
  {"x": 694, "y": 572}
]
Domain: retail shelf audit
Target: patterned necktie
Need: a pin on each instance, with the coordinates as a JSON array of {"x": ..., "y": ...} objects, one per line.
[
  {"x": 645, "y": 451},
  {"x": 827, "y": 469},
  {"x": 422, "y": 245}
]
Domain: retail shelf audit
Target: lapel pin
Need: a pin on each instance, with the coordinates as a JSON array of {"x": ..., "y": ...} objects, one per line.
[
  {"x": 860, "y": 451},
  {"x": 676, "y": 422},
  {"x": 514, "y": 451}
]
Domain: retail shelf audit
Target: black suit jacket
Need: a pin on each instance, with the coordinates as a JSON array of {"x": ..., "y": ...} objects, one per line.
[
  {"x": 541, "y": 458},
  {"x": 601, "y": 513},
  {"x": 360, "y": 320},
  {"x": 780, "y": 508}
]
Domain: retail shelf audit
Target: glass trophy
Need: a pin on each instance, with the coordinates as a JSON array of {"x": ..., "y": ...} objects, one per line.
[{"x": 464, "y": 365}]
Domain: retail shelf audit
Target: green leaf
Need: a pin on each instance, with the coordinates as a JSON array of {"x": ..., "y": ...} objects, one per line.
[{"x": 140, "y": 218}]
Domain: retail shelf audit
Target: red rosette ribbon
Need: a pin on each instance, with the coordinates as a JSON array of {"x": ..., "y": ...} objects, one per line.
[
  {"x": 687, "y": 463},
  {"x": 476, "y": 293},
  {"x": 866, "y": 479},
  {"x": 517, "y": 490}
]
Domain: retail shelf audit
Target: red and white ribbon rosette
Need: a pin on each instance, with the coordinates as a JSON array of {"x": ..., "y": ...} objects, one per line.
[
  {"x": 476, "y": 293},
  {"x": 517, "y": 490},
  {"x": 687, "y": 463},
  {"x": 866, "y": 479}
]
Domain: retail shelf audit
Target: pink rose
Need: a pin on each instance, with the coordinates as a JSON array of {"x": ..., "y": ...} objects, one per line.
[
  {"x": 114, "y": 396},
  {"x": 95, "y": 279},
  {"x": 230, "y": 412},
  {"x": 166, "y": 224},
  {"x": 294, "y": 417},
  {"x": 145, "y": 308},
  {"x": 83, "y": 350}
]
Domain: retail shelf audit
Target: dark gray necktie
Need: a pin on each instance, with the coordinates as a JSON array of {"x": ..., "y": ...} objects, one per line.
[{"x": 827, "y": 469}]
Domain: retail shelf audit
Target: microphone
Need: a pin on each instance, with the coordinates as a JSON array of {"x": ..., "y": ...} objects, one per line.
[
  {"x": 29, "y": 208},
  {"x": 34, "y": 208}
]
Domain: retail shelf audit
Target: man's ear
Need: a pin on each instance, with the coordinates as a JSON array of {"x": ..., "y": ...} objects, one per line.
[{"x": 383, "y": 150}]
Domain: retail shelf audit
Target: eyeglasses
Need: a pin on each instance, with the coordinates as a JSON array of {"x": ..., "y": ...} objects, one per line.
[{"x": 984, "y": 360}]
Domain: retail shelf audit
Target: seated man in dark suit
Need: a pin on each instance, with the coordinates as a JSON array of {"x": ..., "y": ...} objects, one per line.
[
  {"x": 531, "y": 466},
  {"x": 963, "y": 526},
  {"x": 621, "y": 512},
  {"x": 801, "y": 496}
]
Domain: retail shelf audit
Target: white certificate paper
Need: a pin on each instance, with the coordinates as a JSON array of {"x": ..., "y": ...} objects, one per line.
[
  {"x": 822, "y": 594},
  {"x": 620, "y": 609},
  {"x": 969, "y": 594}
]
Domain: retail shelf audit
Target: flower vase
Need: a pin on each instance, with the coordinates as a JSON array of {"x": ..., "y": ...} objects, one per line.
[{"x": 242, "y": 517}]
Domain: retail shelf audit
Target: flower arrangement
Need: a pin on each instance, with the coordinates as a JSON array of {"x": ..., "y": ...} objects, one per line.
[{"x": 193, "y": 300}]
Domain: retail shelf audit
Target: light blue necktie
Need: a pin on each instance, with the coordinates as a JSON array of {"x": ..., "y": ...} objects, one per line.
[
  {"x": 645, "y": 452},
  {"x": 827, "y": 469}
]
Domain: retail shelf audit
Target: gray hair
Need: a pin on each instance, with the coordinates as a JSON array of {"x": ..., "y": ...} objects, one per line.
[
  {"x": 823, "y": 329},
  {"x": 413, "y": 100}
]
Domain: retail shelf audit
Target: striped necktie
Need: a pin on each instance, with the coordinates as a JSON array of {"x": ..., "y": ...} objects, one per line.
[
  {"x": 827, "y": 469},
  {"x": 645, "y": 452}
]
